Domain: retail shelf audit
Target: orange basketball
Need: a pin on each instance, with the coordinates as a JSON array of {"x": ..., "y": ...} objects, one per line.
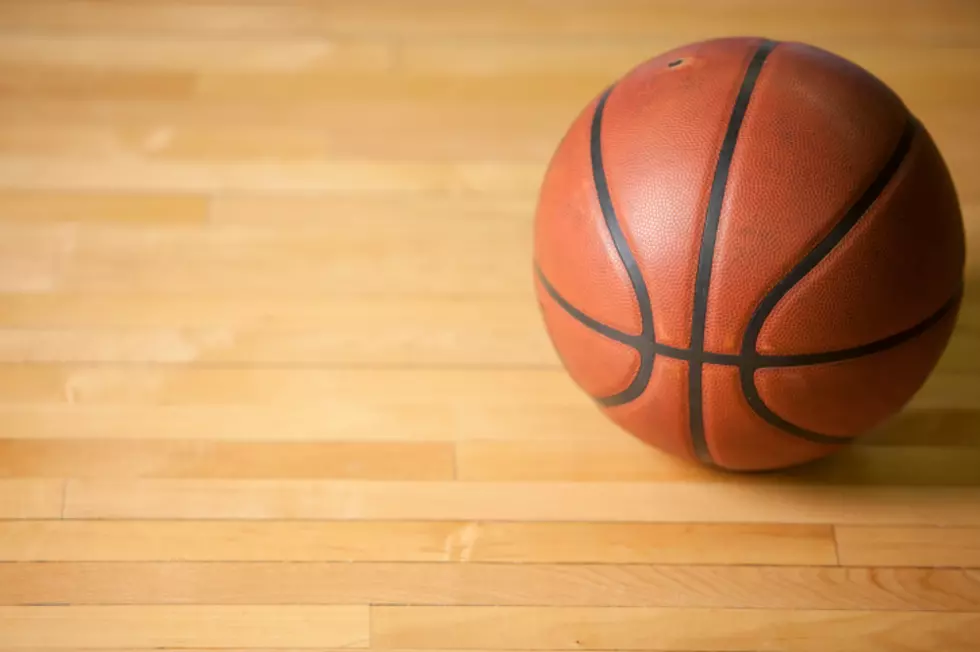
[{"x": 748, "y": 252}]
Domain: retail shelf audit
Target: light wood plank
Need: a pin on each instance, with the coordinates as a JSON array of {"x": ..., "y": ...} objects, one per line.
[
  {"x": 118, "y": 209},
  {"x": 209, "y": 459},
  {"x": 623, "y": 459},
  {"x": 72, "y": 312},
  {"x": 31, "y": 498},
  {"x": 30, "y": 81},
  {"x": 394, "y": 130},
  {"x": 236, "y": 141},
  {"x": 147, "y": 209},
  {"x": 616, "y": 459},
  {"x": 271, "y": 329},
  {"x": 680, "y": 629},
  {"x": 433, "y": 541},
  {"x": 753, "y": 587},
  {"x": 386, "y": 418},
  {"x": 58, "y": 627},
  {"x": 340, "y": 257},
  {"x": 84, "y": 51},
  {"x": 884, "y": 546},
  {"x": 36, "y": 82},
  {"x": 42, "y": 173},
  {"x": 946, "y": 20},
  {"x": 249, "y": 404},
  {"x": 95, "y": 385},
  {"x": 369, "y": 418},
  {"x": 403, "y": 214},
  {"x": 616, "y": 502}
]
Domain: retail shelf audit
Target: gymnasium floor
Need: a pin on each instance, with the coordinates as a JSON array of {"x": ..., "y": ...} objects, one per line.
[{"x": 272, "y": 375}]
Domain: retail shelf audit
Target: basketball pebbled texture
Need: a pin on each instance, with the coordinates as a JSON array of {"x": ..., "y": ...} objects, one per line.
[{"x": 748, "y": 252}]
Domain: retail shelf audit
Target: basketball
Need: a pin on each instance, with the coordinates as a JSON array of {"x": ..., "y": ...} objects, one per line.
[{"x": 748, "y": 252}]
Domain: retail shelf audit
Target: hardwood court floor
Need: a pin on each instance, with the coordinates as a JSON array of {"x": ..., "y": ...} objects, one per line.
[{"x": 272, "y": 375}]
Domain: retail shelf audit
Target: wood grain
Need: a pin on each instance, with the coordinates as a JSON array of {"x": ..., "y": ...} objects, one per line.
[
  {"x": 31, "y": 81},
  {"x": 265, "y": 330},
  {"x": 749, "y": 587},
  {"x": 944, "y": 21},
  {"x": 119, "y": 209},
  {"x": 31, "y": 498},
  {"x": 378, "y": 417},
  {"x": 338, "y": 258},
  {"x": 426, "y": 541},
  {"x": 119, "y": 385},
  {"x": 388, "y": 417},
  {"x": 86, "y": 51},
  {"x": 205, "y": 129},
  {"x": 137, "y": 210},
  {"x": 541, "y": 501},
  {"x": 41, "y": 173},
  {"x": 884, "y": 546},
  {"x": 678, "y": 629},
  {"x": 624, "y": 460},
  {"x": 60, "y": 627},
  {"x": 207, "y": 459}
]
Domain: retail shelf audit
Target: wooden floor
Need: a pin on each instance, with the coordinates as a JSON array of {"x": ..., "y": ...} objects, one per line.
[{"x": 272, "y": 375}]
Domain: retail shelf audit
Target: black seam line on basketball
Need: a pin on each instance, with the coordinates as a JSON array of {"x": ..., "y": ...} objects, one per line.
[
  {"x": 642, "y": 377},
  {"x": 841, "y": 355},
  {"x": 752, "y": 362},
  {"x": 643, "y": 345},
  {"x": 702, "y": 281},
  {"x": 801, "y": 269},
  {"x": 608, "y": 331}
]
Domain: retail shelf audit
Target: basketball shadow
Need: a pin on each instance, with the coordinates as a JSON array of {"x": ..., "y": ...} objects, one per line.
[{"x": 935, "y": 444}]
